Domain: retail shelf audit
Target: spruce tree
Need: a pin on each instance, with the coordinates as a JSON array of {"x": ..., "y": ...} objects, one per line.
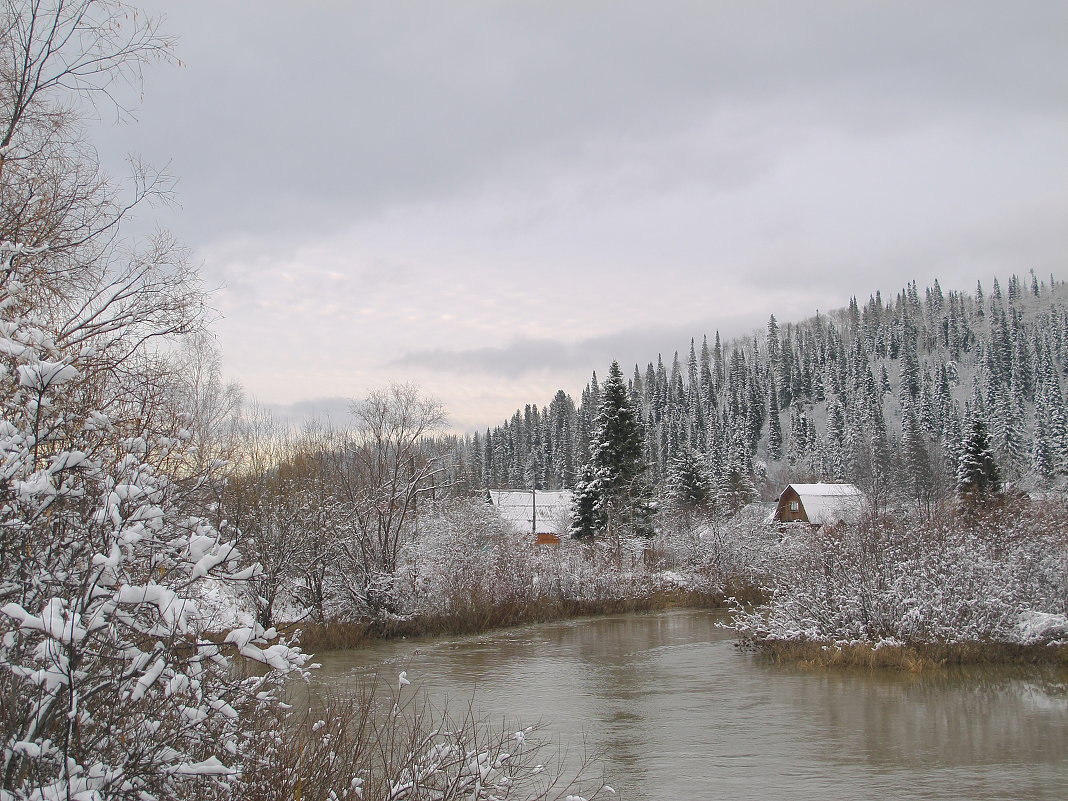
[
  {"x": 586, "y": 519},
  {"x": 619, "y": 498},
  {"x": 977, "y": 471},
  {"x": 774, "y": 424},
  {"x": 689, "y": 481},
  {"x": 915, "y": 465},
  {"x": 736, "y": 488}
]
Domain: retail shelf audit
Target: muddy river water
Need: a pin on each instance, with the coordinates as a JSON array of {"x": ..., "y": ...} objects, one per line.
[{"x": 679, "y": 712}]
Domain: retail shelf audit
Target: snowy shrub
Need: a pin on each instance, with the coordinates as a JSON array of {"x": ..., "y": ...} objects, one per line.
[
  {"x": 943, "y": 580},
  {"x": 110, "y": 688},
  {"x": 464, "y": 556}
]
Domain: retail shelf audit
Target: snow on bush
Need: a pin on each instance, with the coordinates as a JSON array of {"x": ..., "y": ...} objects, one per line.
[
  {"x": 465, "y": 557},
  {"x": 1000, "y": 578},
  {"x": 110, "y": 687},
  {"x": 396, "y": 745}
]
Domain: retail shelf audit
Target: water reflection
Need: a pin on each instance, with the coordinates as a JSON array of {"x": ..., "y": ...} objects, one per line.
[{"x": 680, "y": 712}]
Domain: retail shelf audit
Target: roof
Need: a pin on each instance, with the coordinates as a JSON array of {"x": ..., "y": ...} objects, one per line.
[
  {"x": 515, "y": 506},
  {"x": 825, "y": 490},
  {"x": 829, "y": 503}
]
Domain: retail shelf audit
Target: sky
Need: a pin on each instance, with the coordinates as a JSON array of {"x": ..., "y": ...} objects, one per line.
[{"x": 493, "y": 199}]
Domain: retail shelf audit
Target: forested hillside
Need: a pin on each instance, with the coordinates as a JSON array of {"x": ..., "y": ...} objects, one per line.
[{"x": 879, "y": 394}]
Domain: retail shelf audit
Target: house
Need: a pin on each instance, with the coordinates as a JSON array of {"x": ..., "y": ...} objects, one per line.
[
  {"x": 819, "y": 504},
  {"x": 542, "y": 513}
]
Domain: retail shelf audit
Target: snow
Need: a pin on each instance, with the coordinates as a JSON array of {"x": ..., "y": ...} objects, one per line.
[
  {"x": 43, "y": 375},
  {"x": 912, "y": 581},
  {"x": 517, "y": 508},
  {"x": 1039, "y": 627},
  {"x": 208, "y": 767},
  {"x": 821, "y": 489}
]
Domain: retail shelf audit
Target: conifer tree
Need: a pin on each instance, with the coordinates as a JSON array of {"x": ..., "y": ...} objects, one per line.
[
  {"x": 977, "y": 471},
  {"x": 586, "y": 520},
  {"x": 689, "y": 480},
  {"x": 915, "y": 464},
  {"x": 774, "y": 424},
  {"x": 620, "y": 495},
  {"x": 736, "y": 488}
]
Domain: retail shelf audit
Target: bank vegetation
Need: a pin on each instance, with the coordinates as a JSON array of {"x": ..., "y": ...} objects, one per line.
[{"x": 965, "y": 585}]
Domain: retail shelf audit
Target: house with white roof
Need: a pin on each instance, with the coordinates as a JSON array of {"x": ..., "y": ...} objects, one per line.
[
  {"x": 819, "y": 504},
  {"x": 541, "y": 513}
]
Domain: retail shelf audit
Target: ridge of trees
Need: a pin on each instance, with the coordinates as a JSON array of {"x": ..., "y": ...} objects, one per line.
[{"x": 882, "y": 394}]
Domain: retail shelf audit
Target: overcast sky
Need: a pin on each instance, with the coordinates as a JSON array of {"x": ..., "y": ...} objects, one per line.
[{"x": 491, "y": 199}]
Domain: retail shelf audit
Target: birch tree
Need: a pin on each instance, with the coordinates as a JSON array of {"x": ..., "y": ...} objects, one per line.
[{"x": 384, "y": 471}]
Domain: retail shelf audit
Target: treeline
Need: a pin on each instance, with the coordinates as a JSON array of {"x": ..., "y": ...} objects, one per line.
[{"x": 880, "y": 394}]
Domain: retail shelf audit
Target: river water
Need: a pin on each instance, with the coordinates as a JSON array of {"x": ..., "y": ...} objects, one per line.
[{"x": 679, "y": 712}]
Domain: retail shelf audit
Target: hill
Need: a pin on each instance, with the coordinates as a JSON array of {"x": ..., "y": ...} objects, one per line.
[{"x": 879, "y": 394}]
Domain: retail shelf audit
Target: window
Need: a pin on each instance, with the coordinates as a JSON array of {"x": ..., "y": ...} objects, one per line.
[{"x": 794, "y": 506}]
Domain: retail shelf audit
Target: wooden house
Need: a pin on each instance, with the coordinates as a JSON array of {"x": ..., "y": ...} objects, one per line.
[
  {"x": 542, "y": 513},
  {"x": 819, "y": 504}
]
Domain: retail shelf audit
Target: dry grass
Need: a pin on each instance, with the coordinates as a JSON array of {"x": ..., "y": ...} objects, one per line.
[
  {"x": 474, "y": 615},
  {"x": 396, "y": 746},
  {"x": 914, "y": 658},
  {"x": 336, "y": 636}
]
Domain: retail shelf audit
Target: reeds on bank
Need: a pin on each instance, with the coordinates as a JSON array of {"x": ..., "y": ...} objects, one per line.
[
  {"x": 913, "y": 658},
  {"x": 388, "y": 742},
  {"x": 474, "y": 613}
]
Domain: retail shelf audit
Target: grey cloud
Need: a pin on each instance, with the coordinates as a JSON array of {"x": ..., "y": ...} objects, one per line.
[
  {"x": 523, "y": 356},
  {"x": 335, "y": 110},
  {"x": 609, "y": 163},
  {"x": 519, "y": 357},
  {"x": 334, "y": 411}
]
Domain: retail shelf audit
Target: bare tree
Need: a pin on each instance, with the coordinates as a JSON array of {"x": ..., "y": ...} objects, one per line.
[
  {"x": 384, "y": 471},
  {"x": 276, "y": 503}
]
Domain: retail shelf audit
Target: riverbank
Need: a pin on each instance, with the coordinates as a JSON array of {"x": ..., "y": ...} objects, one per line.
[
  {"x": 913, "y": 658},
  {"x": 473, "y": 617}
]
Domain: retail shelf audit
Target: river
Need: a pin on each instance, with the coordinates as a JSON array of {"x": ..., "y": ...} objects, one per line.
[{"x": 679, "y": 712}]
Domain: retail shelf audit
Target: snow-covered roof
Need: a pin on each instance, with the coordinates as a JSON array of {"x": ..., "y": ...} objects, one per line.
[
  {"x": 829, "y": 503},
  {"x": 516, "y": 507},
  {"x": 826, "y": 490}
]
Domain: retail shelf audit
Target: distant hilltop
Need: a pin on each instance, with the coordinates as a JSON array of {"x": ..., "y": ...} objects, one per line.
[{"x": 878, "y": 394}]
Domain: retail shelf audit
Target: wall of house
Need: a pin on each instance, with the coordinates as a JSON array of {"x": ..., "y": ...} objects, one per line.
[{"x": 785, "y": 511}]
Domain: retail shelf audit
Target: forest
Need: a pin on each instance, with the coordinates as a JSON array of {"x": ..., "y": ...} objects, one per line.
[{"x": 879, "y": 394}]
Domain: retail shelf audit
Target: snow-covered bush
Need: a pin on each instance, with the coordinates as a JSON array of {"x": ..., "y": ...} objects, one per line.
[
  {"x": 947, "y": 579},
  {"x": 463, "y": 556},
  {"x": 466, "y": 561},
  {"x": 110, "y": 688}
]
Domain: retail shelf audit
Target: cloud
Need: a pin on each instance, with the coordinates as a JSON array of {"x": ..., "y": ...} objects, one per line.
[
  {"x": 303, "y": 121},
  {"x": 527, "y": 356},
  {"x": 520, "y": 357},
  {"x": 496, "y": 198},
  {"x": 332, "y": 411}
]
